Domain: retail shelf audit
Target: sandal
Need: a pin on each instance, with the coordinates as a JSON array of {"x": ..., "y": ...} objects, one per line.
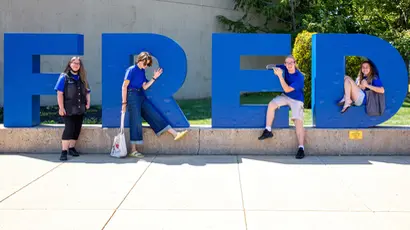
[
  {"x": 180, "y": 135},
  {"x": 136, "y": 154},
  {"x": 341, "y": 102},
  {"x": 345, "y": 108}
]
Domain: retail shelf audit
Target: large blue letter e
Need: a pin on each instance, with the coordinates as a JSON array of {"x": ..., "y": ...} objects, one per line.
[{"x": 228, "y": 80}]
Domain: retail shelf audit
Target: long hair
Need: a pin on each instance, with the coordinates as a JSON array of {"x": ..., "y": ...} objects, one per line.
[
  {"x": 81, "y": 71},
  {"x": 371, "y": 73}
]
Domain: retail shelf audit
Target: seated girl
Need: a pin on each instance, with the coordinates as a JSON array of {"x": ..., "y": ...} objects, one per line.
[{"x": 355, "y": 92}]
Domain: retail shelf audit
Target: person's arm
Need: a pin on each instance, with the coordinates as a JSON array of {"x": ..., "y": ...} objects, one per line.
[
  {"x": 88, "y": 100},
  {"x": 360, "y": 84},
  {"x": 157, "y": 73},
  {"x": 281, "y": 66},
  {"x": 88, "y": 96},
  {"x": 148, "y": 84},
  {"x": 376, "y": 86},
  {"x": 59, "y": 87},
  {"x": 279, "y": 72},
  {"x": 376, "y": 89},
  {"x": 124, "y": 88},
  {"x": 124, "y": 91},
  {"x": 60, "y": 99},
  {"x": 285, "y": 86}
]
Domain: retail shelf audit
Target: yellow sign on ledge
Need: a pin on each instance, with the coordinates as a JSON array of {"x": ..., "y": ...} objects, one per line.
[{"x": 355, "y": 135}]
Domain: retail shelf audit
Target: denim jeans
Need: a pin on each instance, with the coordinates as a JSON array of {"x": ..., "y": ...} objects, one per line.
[{"x": 140, "y": 107}]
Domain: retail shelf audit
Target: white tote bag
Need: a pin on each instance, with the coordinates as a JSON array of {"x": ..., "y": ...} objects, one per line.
[{"x": 119, "y": 147}]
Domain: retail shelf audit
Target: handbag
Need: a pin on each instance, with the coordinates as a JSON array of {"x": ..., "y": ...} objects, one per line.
[
  {"x": 375, "y": 104},
  {"x": 119, "y": 146}
]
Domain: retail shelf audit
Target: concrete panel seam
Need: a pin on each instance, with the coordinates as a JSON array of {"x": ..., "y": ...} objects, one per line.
[
  {"x": 139, "y": 178},
  {"x": 199, "y": 141},
  {"x": 31, "y": 182},
  {"x": 240, "y": 187}
]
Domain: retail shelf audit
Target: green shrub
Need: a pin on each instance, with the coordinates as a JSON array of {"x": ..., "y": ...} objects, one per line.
[
  {"x": 353, "y": 66},
  {"x": 302, "y": 51}
]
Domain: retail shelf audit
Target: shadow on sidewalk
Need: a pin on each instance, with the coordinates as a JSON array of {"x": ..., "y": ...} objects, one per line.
[
  {"x": 194, "y": 160},
  {"x": 202, "y": 160},
  {"x": 331, "y": 160}
]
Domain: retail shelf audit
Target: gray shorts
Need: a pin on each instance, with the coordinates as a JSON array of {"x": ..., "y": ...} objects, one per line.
[{"x": 295, "y": 106}]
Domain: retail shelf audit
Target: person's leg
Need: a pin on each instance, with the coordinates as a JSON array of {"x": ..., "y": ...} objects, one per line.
[
  {"x": 67, "y": 136},
  {"x": 355, "y": 90},
  {"x": 360, "y": 98},
  {"x": 157, "y": 123},
  {"x": 78, "y": 122},
  {"x": 270, "y": 116},
  {"x": 135, "y": 123},
  {"x": 352, "y": 92},
  {"x": 300, "y": 134},
  {"x": 297, "y": 118}
]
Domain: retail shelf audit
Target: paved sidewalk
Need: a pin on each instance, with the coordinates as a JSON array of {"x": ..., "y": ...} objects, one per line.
[{"x": 204, "y": 192}]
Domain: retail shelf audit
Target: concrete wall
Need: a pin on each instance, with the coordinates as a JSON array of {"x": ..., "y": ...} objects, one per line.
[
  {"x": 189, "y": 22},
  {"x": 205, "y": 140}
]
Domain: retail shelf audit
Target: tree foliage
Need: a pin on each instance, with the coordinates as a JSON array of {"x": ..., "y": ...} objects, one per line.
[
  {"x": 388, "y": 19},
  {"x": 281, "y": 16}
]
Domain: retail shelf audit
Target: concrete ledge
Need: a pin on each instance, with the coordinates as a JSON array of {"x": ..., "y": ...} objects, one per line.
[
  {"x": 205, "y": 140},
  {"x": 93, "y": 139},
  {"x": 376, "y": 141}
]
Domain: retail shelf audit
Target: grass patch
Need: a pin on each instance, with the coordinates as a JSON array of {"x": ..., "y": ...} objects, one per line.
[
  {"x": 402, "y": 117},
  {"x": 198, "y": 112},
  {"x": 49, "y": 115}
]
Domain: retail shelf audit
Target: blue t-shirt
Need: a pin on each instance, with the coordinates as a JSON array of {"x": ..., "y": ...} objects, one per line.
[
  {"x": 136, "y": 76},
  {"x": 61, "y": 82},
  {"x": 296, "y": 81},
  {"x": 375, "y": 82}
]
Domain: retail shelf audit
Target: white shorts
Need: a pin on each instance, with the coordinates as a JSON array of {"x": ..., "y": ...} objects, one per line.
[
  {"x": 360, "y": 99},
  {"x": 295, "y": 106}
]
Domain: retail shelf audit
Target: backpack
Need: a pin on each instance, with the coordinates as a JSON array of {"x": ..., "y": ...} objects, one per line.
[{"x": 375, "y": 104}]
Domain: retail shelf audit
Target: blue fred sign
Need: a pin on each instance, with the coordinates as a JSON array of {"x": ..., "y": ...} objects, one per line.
[{"x": 23, "y": 82}]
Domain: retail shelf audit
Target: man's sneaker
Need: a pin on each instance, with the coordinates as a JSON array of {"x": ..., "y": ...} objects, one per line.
[
  {"x": 63, "y": 156},
  {"x": 300, "y": 154},
  {"x": 73, "y": 152},
  {"x": 265, "y": 134}
]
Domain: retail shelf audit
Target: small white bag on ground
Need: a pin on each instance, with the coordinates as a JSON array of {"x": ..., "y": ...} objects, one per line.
[{"x": 119, "y": 147}]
